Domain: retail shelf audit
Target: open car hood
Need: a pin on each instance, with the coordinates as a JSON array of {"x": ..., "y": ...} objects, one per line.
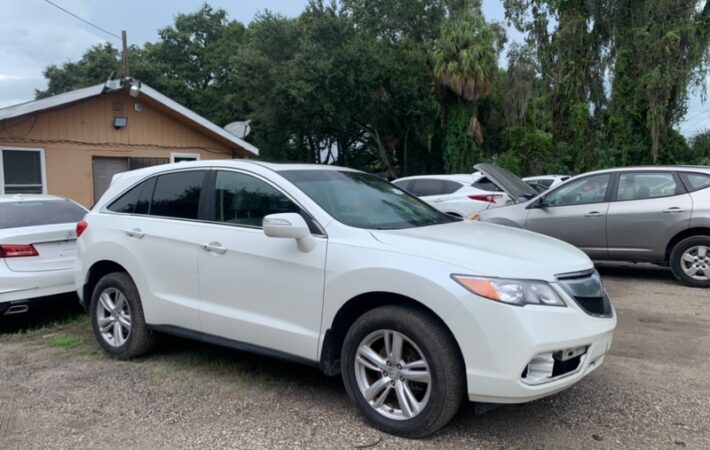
[{"x": 518, "y": 190}]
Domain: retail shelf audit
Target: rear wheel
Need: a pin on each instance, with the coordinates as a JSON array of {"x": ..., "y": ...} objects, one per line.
[
  {"x": 690, "y": 261},
  {"x": 403, "y": 370},
  {"x": 117, "y": 317}
]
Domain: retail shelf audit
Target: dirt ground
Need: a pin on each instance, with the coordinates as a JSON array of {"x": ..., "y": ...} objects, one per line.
[{"x": 57, "y": 390}]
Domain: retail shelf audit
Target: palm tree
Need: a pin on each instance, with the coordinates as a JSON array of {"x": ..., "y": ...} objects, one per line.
[{"x": 465, "y": 61}]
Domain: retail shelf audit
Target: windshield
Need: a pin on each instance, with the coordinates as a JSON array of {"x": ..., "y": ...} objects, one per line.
[
  {"x": 365, "y": 201},
  {"x": 44, "y": 212}
]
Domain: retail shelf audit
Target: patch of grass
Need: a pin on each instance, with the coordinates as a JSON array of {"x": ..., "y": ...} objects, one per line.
[{"x": 66, "y": 341}]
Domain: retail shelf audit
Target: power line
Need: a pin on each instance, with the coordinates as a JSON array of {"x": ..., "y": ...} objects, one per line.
[{"x": 83, "y": 20}]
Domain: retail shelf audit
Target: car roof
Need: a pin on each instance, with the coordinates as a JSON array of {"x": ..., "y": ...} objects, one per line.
[
  {"x": 463, "y": 178},
  {"x": 11, "y": 198},
  {"x": 666, "y": 168}
]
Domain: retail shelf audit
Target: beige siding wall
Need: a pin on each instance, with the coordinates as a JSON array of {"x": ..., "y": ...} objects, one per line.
[{"x": 72, "y": 135}]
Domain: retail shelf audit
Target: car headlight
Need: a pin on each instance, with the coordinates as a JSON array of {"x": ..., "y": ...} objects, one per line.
[{"x": 512, "y": 292}]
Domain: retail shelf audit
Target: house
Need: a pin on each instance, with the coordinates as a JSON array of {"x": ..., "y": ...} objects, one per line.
[{"x": 73, "y": 143}]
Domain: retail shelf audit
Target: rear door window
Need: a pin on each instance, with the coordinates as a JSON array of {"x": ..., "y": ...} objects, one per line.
[
  {"x": 646, "y": 185},
  {"x": 177, "y": 194},
  {"x": 39, "y": 212},
  {"x": 424, "y": 187}
]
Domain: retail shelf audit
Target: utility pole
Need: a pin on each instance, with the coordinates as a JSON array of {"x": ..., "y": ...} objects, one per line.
[{"x": 124, "y": 38}]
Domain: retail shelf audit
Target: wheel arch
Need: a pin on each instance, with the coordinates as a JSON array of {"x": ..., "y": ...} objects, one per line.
[
  {"x": 690, "y": 232},
  {"x": 351, "y": 310},
  {"x": 94, "y": 274}
]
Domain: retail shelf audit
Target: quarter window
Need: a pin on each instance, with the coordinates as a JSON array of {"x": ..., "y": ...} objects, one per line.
[
  {"x": 136, "y": 200},
  {"x": 177, "y": 194},
  {"x": 641, "y": 186},
  {"x": 696, "y": 181},
  {"x": 21, "y": 172},
  {"x": 485, "y": 184},
  {"x": 424, "y": 187},
  {"x": 586, "y": 190},
  {"x": 244, "y": 200}
]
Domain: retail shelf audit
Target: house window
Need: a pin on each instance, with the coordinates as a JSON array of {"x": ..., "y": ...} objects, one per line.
[
  {"x": 22, "y": 171},
  {"x": 180, "y": 157}
]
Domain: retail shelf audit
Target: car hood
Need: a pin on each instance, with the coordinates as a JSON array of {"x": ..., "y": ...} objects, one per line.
[
  {"x": 489, "y": 250},
  {"x": 516, "y": 188}
]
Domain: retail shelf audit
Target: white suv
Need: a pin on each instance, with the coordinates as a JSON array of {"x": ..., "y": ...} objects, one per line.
[
  {"x": 457, "y": 195},
  {"x": 339, "y": 269}
]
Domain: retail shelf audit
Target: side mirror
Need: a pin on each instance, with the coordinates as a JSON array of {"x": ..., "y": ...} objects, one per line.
[
  {"x": 289, "y": 225},
  {"x": 538, "y": 203}
]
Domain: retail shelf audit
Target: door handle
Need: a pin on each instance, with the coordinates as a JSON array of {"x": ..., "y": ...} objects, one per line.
[
  {"x": 214, "y": 247},
  {"x": 135, "y": 233},
  {"x": 673, "y": 209},
  {"x": 593, "y": 214}
]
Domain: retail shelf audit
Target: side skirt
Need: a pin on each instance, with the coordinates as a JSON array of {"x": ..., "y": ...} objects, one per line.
[{"x": 237, "y": 345}]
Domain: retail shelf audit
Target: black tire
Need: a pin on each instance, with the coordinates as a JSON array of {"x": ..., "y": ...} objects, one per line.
[
  {"x": 676, "y": 260},
  {"x": 448, "y": 383},
  {"x": 139, "y": 339}
]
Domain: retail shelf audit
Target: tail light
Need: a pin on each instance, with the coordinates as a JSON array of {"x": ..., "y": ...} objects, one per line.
[
  {"x": 490, "y": 198},
  {"x": 81, "y": 226},
  {"x": 17, "y": 251}
]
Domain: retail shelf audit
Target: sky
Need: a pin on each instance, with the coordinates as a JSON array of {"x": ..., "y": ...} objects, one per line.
[{"x": 34, "y": 34}]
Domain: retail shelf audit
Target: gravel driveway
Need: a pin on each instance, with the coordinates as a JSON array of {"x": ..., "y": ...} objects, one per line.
[{"x": 57, "y": 390}]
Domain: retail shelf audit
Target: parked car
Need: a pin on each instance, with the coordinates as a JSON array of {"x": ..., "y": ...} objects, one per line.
[
  {"x": 341, "y": 270},
  {"x": 457, "y": 195},
  {"x": 546, "y": 181},
  {"x": 657, "y": 214},
  {"x": 37, "y": 248}
]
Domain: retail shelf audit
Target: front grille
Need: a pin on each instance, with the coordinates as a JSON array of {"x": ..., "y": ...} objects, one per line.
[
  {"x": 587, "y": 290},
  {"x": 596, "y": 306}
]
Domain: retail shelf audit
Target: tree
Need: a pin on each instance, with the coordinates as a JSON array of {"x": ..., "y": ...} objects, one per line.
[{"x": 465, "y": 65}]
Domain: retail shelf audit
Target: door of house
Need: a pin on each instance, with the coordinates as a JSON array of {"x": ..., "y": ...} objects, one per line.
[{"x": 104, "y": 169}]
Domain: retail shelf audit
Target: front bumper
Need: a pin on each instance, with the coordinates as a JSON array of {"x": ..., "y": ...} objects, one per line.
[
  {"x": 498, "y": 342},
  {"x": 16, "y": 286}
]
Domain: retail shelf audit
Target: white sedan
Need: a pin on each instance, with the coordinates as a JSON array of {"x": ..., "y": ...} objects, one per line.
[
  {"x": 37, "y": 248},
  {"x": 341, "y": 270},
  {"x": 457, "y": 195}
]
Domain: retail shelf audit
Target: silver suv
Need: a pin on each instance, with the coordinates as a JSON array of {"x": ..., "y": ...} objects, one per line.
[{"x": 658, "y": 214}]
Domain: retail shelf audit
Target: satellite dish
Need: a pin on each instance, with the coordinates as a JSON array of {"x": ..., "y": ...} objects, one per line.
[{"x": 239, "y": 129}]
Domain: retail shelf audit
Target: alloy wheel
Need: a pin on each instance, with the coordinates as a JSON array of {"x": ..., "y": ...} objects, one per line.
[
  {"x": 695, "y": 262},
  {"x": 113, "y": 317},
  {"x": 393, "y": 374}
]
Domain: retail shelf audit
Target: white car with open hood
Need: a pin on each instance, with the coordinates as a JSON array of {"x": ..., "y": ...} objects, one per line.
[
  {"x": 37, "y": 249},
  {"x": 342, "y": 270}
]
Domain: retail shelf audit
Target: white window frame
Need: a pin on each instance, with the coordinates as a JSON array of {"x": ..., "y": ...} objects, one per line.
[
  {"x": 42, "y": 164},
  {"x": 196, "y": 156}
]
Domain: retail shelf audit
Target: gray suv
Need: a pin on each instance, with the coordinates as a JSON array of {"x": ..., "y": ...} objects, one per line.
[{"x": 658, "y": 214}]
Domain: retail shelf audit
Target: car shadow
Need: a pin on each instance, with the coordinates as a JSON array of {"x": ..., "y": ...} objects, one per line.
[
  {"x": 41, "y": 313},
  {"x": 630, "y": 270}
]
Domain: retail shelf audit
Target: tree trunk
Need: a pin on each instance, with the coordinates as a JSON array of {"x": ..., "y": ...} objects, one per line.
[{"x": 382, "y": 153}]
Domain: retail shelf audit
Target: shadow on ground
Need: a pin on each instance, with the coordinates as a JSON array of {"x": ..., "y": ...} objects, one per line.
[
  {"x": 45, "y": 311},
  {"x": 636, "y": 271}
]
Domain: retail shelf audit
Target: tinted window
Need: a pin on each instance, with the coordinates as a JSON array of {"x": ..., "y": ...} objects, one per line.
[
  {"x": 45, "y": 212},
  {"x": 545, "y": 182},
  {"x": 136, "y": 200},
  {"x": 364, "y": 201},
  {"x": 696, "y": 181},
  {"x": 639, "y": 186},
  {"x": 425, "y": 186},
  {"x": 583, "y": 191},
  {"x": 485, "y": 184},
  {"x": 177, "y": 195},
  {"x": 244, "y": 200},
  {"x": 406, "y": 184},
  {"x": 449, "y": 187}
]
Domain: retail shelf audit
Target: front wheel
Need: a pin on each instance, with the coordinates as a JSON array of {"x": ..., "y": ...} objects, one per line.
[{"x": 403, "y": 370}]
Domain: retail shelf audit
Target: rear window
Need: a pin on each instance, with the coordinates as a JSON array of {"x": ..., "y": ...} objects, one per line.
[{"x": 40, "y": 212}]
